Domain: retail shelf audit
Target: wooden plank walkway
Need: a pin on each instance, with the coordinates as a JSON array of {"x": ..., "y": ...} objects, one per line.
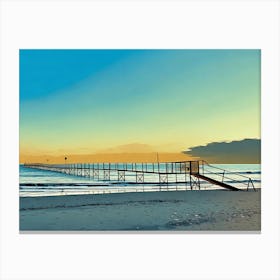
[{"x": 215, "y": 182}]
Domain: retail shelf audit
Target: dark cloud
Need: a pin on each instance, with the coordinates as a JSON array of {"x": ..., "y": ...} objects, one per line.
[{"x": 243, "y": 151}]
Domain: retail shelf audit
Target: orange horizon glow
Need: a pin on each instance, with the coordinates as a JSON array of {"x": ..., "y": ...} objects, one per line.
[{"x": 106, "y": 157}]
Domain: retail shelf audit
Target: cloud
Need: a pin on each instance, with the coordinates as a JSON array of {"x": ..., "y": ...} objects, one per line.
[{"x": 243, "y": 151}]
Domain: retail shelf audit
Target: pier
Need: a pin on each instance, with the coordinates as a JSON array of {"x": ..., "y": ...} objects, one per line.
[{"x": 163, "y": 174}]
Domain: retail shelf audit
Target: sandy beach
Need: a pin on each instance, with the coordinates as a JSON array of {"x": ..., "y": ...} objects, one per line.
[{"x": 215, "y": 210}]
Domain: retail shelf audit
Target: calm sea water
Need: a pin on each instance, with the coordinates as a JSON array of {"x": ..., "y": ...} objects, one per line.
[{"x": 60, "y": 184}]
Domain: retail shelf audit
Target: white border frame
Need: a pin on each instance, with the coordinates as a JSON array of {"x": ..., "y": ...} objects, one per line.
[{"x": 135, "y": 24}]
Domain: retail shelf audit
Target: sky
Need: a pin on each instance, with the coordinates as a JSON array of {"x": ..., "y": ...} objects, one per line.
[{"x": 143, "y": 101}]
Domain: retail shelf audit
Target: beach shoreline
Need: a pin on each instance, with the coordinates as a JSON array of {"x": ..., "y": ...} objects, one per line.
[{"x": 216, "y": 210}]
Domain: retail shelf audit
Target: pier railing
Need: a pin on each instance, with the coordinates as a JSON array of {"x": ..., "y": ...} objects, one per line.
[
  {"x": 162, "y": 167},
  {"x": 139, "y": 173},
  {"x": 226, "y": 176},
  {"x": 161, "y": 173}
]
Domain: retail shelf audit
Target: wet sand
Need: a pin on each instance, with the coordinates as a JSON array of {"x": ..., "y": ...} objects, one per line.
[{"x": 215, "y": 210}]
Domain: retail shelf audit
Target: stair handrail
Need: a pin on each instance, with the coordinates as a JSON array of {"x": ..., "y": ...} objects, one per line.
[{"x": 248, "y": 179}]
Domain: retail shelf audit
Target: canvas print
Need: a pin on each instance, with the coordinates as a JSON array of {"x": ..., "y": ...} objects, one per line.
[{"x": 140, "y": 140}]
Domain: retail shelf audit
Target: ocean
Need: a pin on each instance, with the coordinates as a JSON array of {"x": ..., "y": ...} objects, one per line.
[{"x": 35, "y": 182}]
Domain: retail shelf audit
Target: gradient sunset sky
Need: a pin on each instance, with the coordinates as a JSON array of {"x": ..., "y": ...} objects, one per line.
[{"x": 102, "y": 101}]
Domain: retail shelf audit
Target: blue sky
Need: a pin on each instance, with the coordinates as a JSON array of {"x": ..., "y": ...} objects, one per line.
[{"x": 93, "y": 100}]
